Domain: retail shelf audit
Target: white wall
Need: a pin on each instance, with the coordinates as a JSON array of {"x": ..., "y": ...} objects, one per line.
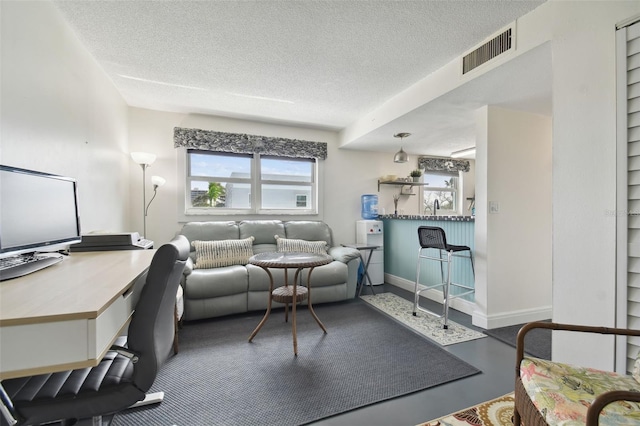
[
  {"x": 347, "y": 174},
  {"x": 584, "y": 173},
  {"x": 60, "y": 114},
  {"x": 513, "y": 246}
]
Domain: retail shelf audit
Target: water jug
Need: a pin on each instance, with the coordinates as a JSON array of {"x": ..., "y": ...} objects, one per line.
[{"x": 369, "y": 206}]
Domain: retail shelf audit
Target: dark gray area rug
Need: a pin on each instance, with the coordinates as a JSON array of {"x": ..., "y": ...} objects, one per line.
[
  {"x": 218, "y": 378},
  {"x": 537, "y": 342}
]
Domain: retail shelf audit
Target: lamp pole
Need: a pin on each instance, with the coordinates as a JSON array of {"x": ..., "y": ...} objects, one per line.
[
  {"x": 144, "y": 200},
  {"x": 145, "y": 160}
]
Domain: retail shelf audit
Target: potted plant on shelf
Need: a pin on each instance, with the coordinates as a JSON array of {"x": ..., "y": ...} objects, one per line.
[{"x": 416, "y": 174}]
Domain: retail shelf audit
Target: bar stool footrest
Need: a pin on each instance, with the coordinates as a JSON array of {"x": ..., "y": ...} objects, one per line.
[{"x": 426, "y": 311}]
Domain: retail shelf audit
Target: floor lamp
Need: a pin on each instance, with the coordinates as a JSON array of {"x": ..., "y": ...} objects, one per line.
[
  {"x": 145, "y": 160},
  {"x": 157, "y": 182}
]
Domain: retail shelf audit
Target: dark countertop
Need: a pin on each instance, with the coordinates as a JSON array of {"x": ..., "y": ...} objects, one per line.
[{"x": 429, "y": 217}]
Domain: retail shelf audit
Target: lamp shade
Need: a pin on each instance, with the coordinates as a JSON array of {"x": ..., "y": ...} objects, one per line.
[
  {"x": 400, "y": 157},
  {"x": 157, "y": 180},
  {"x": 143, "y": 158}
]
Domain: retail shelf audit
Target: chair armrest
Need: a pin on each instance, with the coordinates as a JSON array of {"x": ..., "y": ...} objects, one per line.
[
  {"x": 598, "y": 404},
  {"x": 564, "y": 327},
  {"x": 126, "y": 352},
  {"x": 344, "y": 254}
]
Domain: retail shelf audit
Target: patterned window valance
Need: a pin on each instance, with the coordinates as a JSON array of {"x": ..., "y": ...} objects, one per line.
[
  {"x": 433, "y": 164},
  {"x": 241, "y": 143}
]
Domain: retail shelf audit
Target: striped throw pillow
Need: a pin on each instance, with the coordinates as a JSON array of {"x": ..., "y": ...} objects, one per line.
[
  {"x": 304, "y": 246},
  {"x": 213, "y": 254}
]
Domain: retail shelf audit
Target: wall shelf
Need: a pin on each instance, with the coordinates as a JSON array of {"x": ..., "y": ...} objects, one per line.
[{"x": 396, "y": 183}]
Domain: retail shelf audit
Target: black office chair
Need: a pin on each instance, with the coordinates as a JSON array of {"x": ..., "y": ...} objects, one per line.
[
  {"x": 125, "y": 374},
  {"x": 432, "y": 237}
]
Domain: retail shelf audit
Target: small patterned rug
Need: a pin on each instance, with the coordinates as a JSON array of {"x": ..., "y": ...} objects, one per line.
[
  {"x": 497, "y": 412},
  {"x": 429, "y": 326}
]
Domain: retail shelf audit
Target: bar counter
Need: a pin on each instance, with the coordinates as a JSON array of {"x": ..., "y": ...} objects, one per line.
[
  {"x": 401, "y": 247},
  {"x": 429, "y": 217}
]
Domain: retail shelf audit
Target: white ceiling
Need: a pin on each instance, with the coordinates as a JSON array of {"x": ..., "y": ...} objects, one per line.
[
  {"x": 309, "y": 63},
  {"x": 447, "y": 123}
]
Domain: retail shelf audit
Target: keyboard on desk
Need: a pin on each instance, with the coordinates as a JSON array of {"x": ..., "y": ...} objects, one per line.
[{"x": 17, "y": 266}]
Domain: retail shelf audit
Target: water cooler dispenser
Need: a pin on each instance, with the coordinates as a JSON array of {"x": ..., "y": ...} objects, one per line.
[{"x": 370, "y": 232}]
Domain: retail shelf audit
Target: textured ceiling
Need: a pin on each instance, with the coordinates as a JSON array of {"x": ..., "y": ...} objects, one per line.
[{"x": 320, "y": 64}]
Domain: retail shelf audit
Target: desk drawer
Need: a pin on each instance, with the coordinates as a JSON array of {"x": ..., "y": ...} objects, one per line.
[
  {"x": 62, "y": 345},
  {"x": 110, "y": 324},
  {"x": 27, "y": 347}
]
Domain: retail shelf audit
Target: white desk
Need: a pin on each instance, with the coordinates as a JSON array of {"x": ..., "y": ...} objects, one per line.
[{"x": 67, "y": 316}]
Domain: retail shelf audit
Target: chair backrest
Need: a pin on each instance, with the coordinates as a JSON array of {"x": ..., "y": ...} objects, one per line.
[
  {"x": 151, "y": 331},
  {"x": 432, "y": 237}
]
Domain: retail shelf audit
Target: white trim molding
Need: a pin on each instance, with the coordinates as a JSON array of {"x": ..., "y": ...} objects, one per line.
[{"x": 503, "y": 319}]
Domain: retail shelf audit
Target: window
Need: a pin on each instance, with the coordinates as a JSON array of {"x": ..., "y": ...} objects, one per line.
[
  {"x": 223, "y": 183},
  {"x": 442, "y": 187}
]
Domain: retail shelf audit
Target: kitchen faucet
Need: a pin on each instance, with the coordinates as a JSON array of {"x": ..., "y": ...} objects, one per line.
[{"x": 436, "y": 206}]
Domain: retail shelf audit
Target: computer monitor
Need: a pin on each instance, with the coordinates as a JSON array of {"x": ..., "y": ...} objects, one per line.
[{"x": 38, "y": 212}]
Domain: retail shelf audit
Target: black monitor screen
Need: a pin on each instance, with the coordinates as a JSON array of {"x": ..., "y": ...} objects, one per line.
[{"x": 38, "y": 211}]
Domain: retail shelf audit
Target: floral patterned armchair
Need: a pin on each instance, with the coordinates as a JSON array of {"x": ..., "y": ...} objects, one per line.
[{"x": 552, "y": 393}]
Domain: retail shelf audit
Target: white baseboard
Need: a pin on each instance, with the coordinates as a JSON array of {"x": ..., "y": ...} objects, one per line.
[
  {"x": 505, "y": 319},
  {"x": 479, "y": 319}
]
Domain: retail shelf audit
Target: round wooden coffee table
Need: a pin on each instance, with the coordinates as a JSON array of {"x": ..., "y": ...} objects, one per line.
[{"x": 289, "y": 293}]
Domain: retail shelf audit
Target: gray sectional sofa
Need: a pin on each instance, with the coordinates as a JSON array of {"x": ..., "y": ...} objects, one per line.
[{"x": 218, "y": 291}]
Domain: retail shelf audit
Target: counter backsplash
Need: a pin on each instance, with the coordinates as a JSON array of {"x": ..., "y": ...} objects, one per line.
[{"x": 429, "y": 217}]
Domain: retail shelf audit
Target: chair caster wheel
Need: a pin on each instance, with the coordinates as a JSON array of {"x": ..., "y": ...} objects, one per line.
[
  {"x": 415, "y": 314},
  {"x": 446, "y": 327}
]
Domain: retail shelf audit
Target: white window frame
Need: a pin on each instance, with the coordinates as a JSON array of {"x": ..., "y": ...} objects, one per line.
[
  {"x": 456, "y": 194},
  {"x": 256, "y": 184}
]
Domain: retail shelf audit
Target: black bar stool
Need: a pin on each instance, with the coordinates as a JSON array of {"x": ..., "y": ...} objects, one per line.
[{"x": 432, "y": 237}]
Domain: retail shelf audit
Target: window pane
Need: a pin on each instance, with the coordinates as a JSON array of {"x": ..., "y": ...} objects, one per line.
[
  {"x": 221, "y": 195},
  {"x": 227, "y": 183},
  {"x": 286, "y": 197},
  {"x": 286, "y": 169},
  {"x": 442, "y": 187},
  {"x": 440, "y": 181},
  {"x": 220, "y": 165},
  {"x": 446, "y": 200}
]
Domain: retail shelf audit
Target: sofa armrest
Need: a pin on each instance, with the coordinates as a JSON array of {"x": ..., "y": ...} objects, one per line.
[
  {"x": 188, "y": 267},
  {"x": 344, "y": 254}
]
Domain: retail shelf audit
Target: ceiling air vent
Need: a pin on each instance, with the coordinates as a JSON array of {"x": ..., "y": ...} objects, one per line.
[{"x": 487, "y": 51}]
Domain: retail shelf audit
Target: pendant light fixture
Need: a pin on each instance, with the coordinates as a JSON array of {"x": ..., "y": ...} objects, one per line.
[{"x": 401, "y": 156}]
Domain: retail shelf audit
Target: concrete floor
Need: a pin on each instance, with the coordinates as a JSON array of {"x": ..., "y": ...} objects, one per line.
[{"x": 495, "y": 359}]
